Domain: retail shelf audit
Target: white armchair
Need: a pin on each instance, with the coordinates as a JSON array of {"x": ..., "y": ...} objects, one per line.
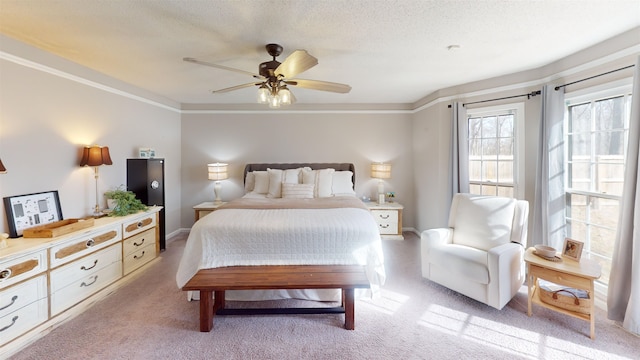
[{"x": 481, "y": 254}]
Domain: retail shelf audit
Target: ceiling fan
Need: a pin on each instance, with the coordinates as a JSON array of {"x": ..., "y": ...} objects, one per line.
[{"x": 274, "y": 77}]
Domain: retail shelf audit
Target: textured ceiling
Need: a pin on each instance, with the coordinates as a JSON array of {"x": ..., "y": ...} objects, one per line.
[{"x": 391, "y": 51}]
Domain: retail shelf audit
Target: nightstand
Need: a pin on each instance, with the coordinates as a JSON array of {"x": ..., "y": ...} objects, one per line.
[
  {"x": 205, "y": 208},
  {"x": 389, "y": 219}
]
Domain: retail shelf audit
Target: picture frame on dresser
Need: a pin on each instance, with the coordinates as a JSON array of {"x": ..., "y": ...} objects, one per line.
[{"x": 29, "y": 210}]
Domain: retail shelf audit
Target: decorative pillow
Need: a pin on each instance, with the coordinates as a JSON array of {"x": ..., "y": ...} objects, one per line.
[
  {"x": 322, "y": 179},
  {"x": 275, "y": 183},
  {"x": 249, "y": 182},
  {"x": 297, "y": 191},
  {"x": 292, "y": 176},
  {"x": 342, "y": 183},
  {"x": 261, "y": 182}
]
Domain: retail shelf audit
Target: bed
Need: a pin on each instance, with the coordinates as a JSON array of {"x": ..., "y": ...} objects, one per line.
[{"x": 294, "y": 214}]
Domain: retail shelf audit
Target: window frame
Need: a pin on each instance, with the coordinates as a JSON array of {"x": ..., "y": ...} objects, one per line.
[
  {"x": 516, "y": 109},
  {"x": 593, "y": 94}
]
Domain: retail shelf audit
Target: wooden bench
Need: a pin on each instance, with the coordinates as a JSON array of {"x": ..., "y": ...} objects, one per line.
[{"x": 216, "y": 281}]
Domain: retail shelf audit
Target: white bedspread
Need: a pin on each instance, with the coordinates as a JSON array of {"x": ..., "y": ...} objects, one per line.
[{"x": 233, "y": 237}]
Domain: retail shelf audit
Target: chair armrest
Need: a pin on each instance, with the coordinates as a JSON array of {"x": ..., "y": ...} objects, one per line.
[
  {"x": 506, "y": 272},
  {"x": 434, "y": 237}
]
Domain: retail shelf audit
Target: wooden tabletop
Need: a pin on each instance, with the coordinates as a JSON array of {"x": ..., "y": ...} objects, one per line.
[{"x": 584, "y": 268}]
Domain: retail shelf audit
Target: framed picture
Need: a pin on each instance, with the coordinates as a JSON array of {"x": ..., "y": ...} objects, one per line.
[
  {"x": 27, "y": 211},
  {"x": 572, "y": 249}
]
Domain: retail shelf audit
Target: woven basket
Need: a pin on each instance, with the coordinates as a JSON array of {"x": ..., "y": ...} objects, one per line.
[{"x": 565, "y": 297}]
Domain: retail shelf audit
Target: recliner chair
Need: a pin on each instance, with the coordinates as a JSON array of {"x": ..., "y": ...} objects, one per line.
[{"x": 480, "y": 254}]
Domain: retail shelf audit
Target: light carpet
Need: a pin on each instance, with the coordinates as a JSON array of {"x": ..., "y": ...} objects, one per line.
[{"x": 414, "y": 319}]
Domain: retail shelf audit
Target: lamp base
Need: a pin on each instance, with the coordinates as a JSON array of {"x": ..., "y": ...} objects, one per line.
[{"x": 381, "y": 199}]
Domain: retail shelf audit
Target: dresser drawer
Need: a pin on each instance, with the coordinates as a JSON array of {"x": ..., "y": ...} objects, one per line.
[
  {"x": 139, "y": 257},
  {"x": 22, "y": 320},
  {"x": 138, "y": 225},
  {"x": 87, "y": 266},
  {"x": 84, "y": 287},
  {"x": 139, "y": 241},
  {"x": 21, "y": 268},
  {"x": 23, "y": 294},
  {"x": 84, "y": 244},
  {"x": 387, "y": 221}
]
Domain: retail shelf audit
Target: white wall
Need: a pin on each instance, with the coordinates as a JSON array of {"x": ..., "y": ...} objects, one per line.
[
  {"x": 268, "y": 136},
  {"x": 47, "y": 114}
]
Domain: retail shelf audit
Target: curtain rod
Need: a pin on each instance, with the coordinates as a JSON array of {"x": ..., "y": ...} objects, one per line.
[
  {"x": 528, "y": 95},
  {"x": 592, "y": 77}
]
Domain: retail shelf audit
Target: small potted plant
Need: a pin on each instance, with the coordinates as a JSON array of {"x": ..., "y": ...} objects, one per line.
[{"x": 123, "y": 202}]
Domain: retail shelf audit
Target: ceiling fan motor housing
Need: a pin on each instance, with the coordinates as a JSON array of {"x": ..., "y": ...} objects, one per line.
[{"x": 268, "y": 68}]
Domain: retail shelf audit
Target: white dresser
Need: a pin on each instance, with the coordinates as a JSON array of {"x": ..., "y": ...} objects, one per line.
[
  {"x": 389, "y": 219},
  {"x": 45, "y": 281}
]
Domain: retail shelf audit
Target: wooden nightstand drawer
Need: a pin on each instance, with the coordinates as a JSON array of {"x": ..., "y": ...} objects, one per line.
[{"x": 387, "y": 221}]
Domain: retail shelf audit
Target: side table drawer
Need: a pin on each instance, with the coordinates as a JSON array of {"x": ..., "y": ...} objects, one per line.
[
  {"x": 22, "y": 320},
  {"x": 387, "y": 221},
  {"x": 21, "y": 268}
]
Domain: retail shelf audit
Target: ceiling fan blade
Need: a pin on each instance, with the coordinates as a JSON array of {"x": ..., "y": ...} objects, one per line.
[
  {"x": 237, "y": 87},
  {"x": 320, "y": 85},
  {"x": 296, "y": 63},
  {"x": 195, "y": 61}
]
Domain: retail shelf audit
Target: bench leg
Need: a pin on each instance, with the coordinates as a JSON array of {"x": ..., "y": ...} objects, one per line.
[
  {"x": 349, "y": 313},
  {"x": 206, "y": 311},
  {"x": 219, "y": 298}
]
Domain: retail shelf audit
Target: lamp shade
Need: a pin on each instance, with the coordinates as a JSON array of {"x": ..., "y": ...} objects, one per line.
[
  {"x": 218, "y": 171},
  {"x": 95, "y": 156},
  {"x": 2, "y": 168},
  {"x": 380, "y": 171}
]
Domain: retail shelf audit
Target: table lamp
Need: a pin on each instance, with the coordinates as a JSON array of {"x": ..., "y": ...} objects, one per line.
[
  {"x": 381, "y": 171},
  {"x": 217, "y": 172}
]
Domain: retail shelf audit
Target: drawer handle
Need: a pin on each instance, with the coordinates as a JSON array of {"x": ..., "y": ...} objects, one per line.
[
  {"x": 138, "y": 257},
  {"x": 95, "y": 278},
  {"x": 90, "y": 267},
  {"x": 384, "y": 226},
  {"x": 13, "y": 321},
  {"x": 140, "y": 224},
  {"x": 13, "y": 300},
  {"x": 136, "y": 244},
  {"x": 90, "y": 243},
  {"x": 384, "y": 216},
  {"x": 5, "y": 274}
]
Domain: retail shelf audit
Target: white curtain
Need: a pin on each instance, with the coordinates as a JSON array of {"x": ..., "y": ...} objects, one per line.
[
  {"x": 623, "y": 300},
  {"x": 459, "y": 154},
  {"x": 549, "y": 202}
]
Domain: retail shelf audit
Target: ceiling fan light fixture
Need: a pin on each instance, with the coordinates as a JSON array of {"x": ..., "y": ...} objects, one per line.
[
  {"x": 263, "y": 94},
  {"x": 274, "y": 101},
  {"x": 285, "y": 95}
]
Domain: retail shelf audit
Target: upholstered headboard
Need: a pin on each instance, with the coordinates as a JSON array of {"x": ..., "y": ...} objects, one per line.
[{"x": 313, "y": 166}]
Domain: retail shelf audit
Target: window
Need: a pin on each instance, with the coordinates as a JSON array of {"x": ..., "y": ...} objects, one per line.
[
  {"x": 494, "y": 150},
  {"x": 597, "y": 127}
]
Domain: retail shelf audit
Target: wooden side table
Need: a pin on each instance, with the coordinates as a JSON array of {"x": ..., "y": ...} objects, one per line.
[
  {"x": 578, "y": 275},
  {"x": 204, "y": 208},
  {"x": 389, "y": 219}
]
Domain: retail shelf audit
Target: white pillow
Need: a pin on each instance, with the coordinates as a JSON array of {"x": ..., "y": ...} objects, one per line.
[
  {"x": 261, "y": 182},
  {"x": 322, "y": 179},
  {"x": 297, "y": 191},
  {"x": 275, "y": 183},
  {"x": 292, "y": 176},
  {"x": 342, "y": 183},
  {"x": 249, "y": 182}
]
